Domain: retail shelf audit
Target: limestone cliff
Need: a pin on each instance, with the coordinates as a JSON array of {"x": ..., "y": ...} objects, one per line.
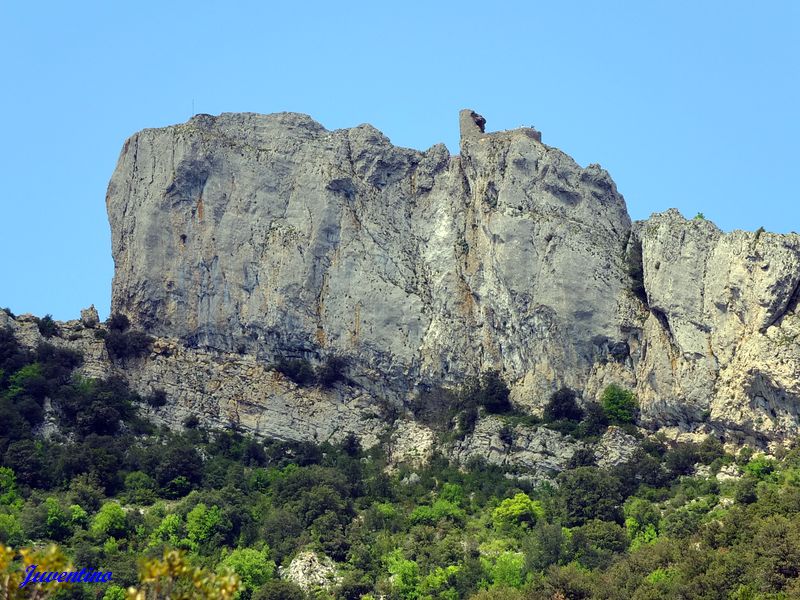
[{"x": 257, "y": 236}]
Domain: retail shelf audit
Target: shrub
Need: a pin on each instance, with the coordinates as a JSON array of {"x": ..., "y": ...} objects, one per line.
[
  {"x": 436, "y": 406},
  {"x": 140, "y": 488},
  {"x": 759, "y": 467},
  {"x": 127, "y": 344},
  {"x": 506, "y": 434},
  {"x": 278, "y": 589},
  {"x": 589, "y": 493},
  {"x": 297, "y": 369},
  {"x": 47, "y": 326},
  {"x": 563, "y": 405},
  {"x": 492, "y": 393},
  {"x": 583, "y": 457},
  {"x": 157, "y": 399},
  {"x": 595, "y": 543},
  {"x": 594, "y": 422},
  {"x": 117, "y": 322},
  {"x": 681, "y": 459},
  {"x": 619, "y": 404},
  {"x": 467, "y": 420},
  {"x": 710, "y": 450},
  {"x": 332, "y": 371},
  {"x": 441, "y": 509}
]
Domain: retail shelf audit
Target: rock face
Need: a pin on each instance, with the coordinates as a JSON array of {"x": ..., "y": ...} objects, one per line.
[
  {"x": 721, "y": 342},
  {"x": 270, "y": 235},
  {"x": 267, "y": 235}
]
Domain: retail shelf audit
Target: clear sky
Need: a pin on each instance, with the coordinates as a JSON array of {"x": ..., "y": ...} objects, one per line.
[{"x": 694, "y": 105}]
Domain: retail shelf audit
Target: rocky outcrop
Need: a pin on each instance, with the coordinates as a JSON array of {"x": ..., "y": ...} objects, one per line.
[
  {"x": 615, "y": 448},
  {"x": 89, "y": 317},
  {"x": 269, "y": 235},
  {"x": 721, "y": 342},
  {"x": 230, "y": 391},
  {"x": 536, "y": 452},
  {"x": 311, "y": 571},
  {"x": 243, "y": 238}
]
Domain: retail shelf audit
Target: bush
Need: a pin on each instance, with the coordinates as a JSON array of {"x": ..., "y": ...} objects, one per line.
[
  {"x": 681, "y": 459},
  {"x": 563, "y": 405},
  {"x": 583, "y": 457},
  {"x": 117, "y": 322},
  {"x": 441, "y": 509},
  {"x": 332, "y": 371},
  {"x": 157, "y": 399},
  {"x": 710, "y": 450},
  {"x": 436, "y": 406},
  {"x": 492, "y": 393},
  {"x": 506, "y": 434},
  {"x": 595, "y": 543},
  {"x": 589, "y": 493},
  {"x": 278, "y": 589},
  {"x": 127, "y": 344},
  {"x": 47, "y": 326},
  {"x": 594, "y": 422},
  {"x": 619, "y": 404},
  {"x": 297, "y": 369},
  {"x": 140, "y": 488}
]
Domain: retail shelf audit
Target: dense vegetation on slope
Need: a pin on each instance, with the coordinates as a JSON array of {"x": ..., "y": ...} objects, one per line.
[{"x": 80, "y": 468}]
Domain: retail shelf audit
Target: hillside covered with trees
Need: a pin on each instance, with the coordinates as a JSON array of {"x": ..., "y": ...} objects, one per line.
[{"x": 82, "y": 470}]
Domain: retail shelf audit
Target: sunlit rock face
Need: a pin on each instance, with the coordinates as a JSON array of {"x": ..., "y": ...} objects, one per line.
[{"x": 268, "y": 235}]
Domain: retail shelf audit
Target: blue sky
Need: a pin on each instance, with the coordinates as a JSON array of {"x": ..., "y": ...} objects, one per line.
[{"x": 694, "y": 105}]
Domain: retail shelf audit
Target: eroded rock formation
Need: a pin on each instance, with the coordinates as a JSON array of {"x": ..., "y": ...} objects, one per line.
[{"x": 241, "y": 238}]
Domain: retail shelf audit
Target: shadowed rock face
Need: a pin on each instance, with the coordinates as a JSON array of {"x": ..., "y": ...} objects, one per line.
[{"x": 268, "y": 235}]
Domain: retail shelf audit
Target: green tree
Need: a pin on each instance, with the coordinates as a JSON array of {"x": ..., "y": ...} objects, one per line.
[
  {"x": 253, "y": 567},
  {"x": 405, "y": 574},
  {"x": 545, "y": 545},
  {"x": 140, "y": 488},
  {"x": 509, "y": 570},
  {"x": 58, "y": 522},
  {"x": 589, "y": 493},
  {"x": 8, "y": 487},
  {"x": 519, "y": 511},
  {"x": 10, "y": 530},
  {"x": 440, "y": 509},
  {"x": 115, "y": 592},
  {"x": 619, "y": 404},
  {"x": 110, "y": 521},
  {"x": 170, "y": 530},
  {"x": 595, "y": 543},
  {"x": 278, "y": 589},
  {"x": 204, "y": 525},
  {"x": 438, "y": 583}
]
